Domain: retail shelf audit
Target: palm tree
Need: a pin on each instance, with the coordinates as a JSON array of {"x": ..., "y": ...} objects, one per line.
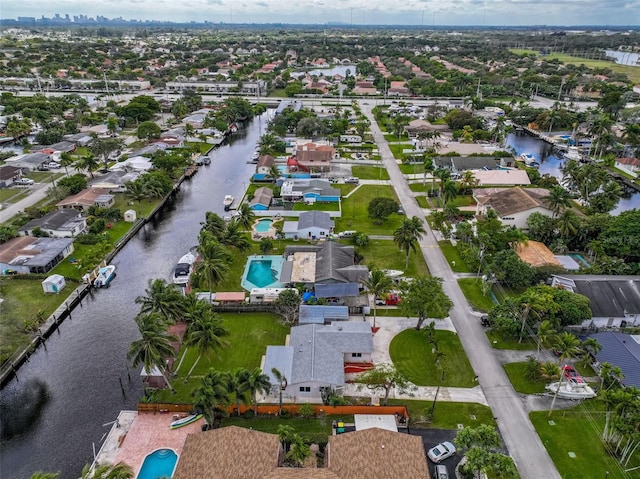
[
  {"x": 108, "y": 471},
  {"x": 257, "y": 382},
  {"x": 234, "y": 236},
  {"x": 377, "y": 284},
  {"x": 154, "y": 348},
  {"x": 245, "y": 216},
  {"x": 443, "y": 175},
  {"x": 135, "y": 190},
  {"x": 88, "y": 163},
  {"x": 267, "y": 143},
  {"x": 66, "y": 160},
  {"x": 429, "y": 167},
  {"x": 568, "y": 223},
  {"x": 162, "y": 298},
  {"x": 590, "y": 347},
  {"x": 546, "y": 334},
  {"x": 205, "y": 333},
  {"x": 237, "y": 386},
  {"x": 214, "y": 266},
  {"x": 274, "y": 173},
  {"x": 212, "y": 395},
  {"x": 299, "y": 451},
  {"x": 189, "y": 131},
  {"x": 407, "y": 235},
  {"x": 468, "y": 181},
  {"x": 550, "y": 370},
  {"x": 557, "y": 200},
  {"x": 568, "y": 344},
  {"x": 286, "y": 434},
  {"x": 282, "y": 385},
  {"x": 449, "y": 191}
]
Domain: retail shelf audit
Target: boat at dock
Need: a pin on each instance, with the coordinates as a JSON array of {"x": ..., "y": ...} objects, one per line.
[
  {"x": 573, "y": 153},
  {"x": 182, "y": 271},
  {"x": 255, "y": 156},
  {"x": 206, "y": 160},
  {"x": 227, "y": 202},
  {"x": 529, "y": 160},
  {"x": 105, "y": 275},
  {"x": 184, "y": 421}
]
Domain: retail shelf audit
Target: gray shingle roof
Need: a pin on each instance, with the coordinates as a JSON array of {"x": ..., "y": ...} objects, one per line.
[
  {"x": 319, "y": 314},
  {"x": 613, "y": 299},
  {"x": 336, "y": 290},
  {"x": 622, "y": 350},
  {"x": 317, "y": 219},
  {"x": 54, "y": 220},
  {"x": 334, "y": 262},
  {"x": 262, "y": 196}
]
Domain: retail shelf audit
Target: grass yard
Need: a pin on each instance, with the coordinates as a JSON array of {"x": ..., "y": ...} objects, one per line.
[
  {"x": 202, "y": 147},
  {"x": 355, "y": 215},
  {"x": 516, "y": 371},
  {"x": 451, "y": 253},
  {"x": 370, "y": 172},
  {"x": 301, "y": 206},
  {"x": 142, "y": 208},
  {"x": 447, "y": 415},
  {"x": 13, "y": 195},
  {"x": 391, "y": 137},
  {"x": 384, "y": 254},
  {"x": 409, "y": 169},
  {"x": 398, "y": 148},
  {"x": 464, "y": 200},
  {"x": 472, "y": 290},
  {"x": 25, "y": 305},
  {"x": 578, "y": 431},
  {"x": 498, "y": 342},
  {"x": 423, "y": 202},
  {"x": 249, "y": 336},
  {"x": 412, "y": 355},
  {"x": 345, "y": 189},
  {"x": 418, "y": 187}
]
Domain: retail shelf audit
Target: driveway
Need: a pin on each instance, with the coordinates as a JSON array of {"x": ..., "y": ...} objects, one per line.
[{"x": 520, "y": 437}]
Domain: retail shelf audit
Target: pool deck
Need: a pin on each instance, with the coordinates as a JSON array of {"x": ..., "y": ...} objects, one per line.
[
  {"x": 270, "y": 233},
  {"x": 276, "y": 264},
  {"x": 135, "y": 435}
]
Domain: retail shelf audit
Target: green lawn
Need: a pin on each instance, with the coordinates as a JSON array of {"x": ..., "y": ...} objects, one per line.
[
  {"x": 420, "y": 188},
  {"x": 249, "y": 336},
  {"x": 142, "y": 208},
  {"x": 370, "y": 172},
  {"x": 412, "y": 355},
  {"x": 384, "y": 254},
  {"x": 392, "y": 137},
  {"x": 498, "y": 342},
  {"x": 345, "y": 188},
  {"x": 464, "y": 200},
  {"x": 25, "y": 304},
  {"x": 13, "y": 195},
  {"x": 578, "y": 431},
  {"x": 398, "y": 148},
  {"x": 202, "y": 147},
  {"x": 472, "y": 290},
  {"x": 516, "y": 371},
  {"x": 451, "y": 253},
  {"x": 423, "y": 202},
  {"x": 301, "y": 206},
  {"x": 355, "y": 215},
  {"x": 416, "y": 169},
  {"x": 447, "y": 415}
]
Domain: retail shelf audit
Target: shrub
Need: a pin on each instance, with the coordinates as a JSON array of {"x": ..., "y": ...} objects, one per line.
[{"x": 306, "y": 410}]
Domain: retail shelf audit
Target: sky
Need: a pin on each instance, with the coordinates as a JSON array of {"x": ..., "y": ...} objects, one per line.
[{"x": 356, "y": 12}]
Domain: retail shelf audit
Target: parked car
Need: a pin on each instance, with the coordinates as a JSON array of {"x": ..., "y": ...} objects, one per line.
[
  {"x": 53, "y": 164},
  {"x": 24, "y": 182},
  {"x": 346, "y": 234},
  {"x": 441, "y": 472},
  {"x": 43, "y": 167},
  {"x": 400, "y": 210},
  {"x": 442, "y": 451},
  {"x": 484, "y": 320},
  {"x": 352, "y": 180}
]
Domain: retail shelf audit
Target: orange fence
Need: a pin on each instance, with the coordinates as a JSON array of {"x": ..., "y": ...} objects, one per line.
[{"x": 272, "y": 410}]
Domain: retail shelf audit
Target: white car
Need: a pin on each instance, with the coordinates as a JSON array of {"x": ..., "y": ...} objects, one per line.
[
  {"x": 53, "y": 164},
  {"x": 441, "y": 452},
  {"x": 24, "y": 182}
]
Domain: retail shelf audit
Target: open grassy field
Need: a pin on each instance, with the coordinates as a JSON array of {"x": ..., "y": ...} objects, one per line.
[
  {"x": 384, "y": 254},
  {"x": 632, "y": 73},
  {"x": 355, "y": 215},
  {"x": 249, "y": 336},
  {"x": 516, "y": 371},
  {"x": 413, "y": 356},
  {"x": 370, "y": 172},
  {"x": 447, "y": 415},
  {"x": 578, "y": 431},
  {"x": 451, "y": 253},
  {"x": 472, "y": 290}
]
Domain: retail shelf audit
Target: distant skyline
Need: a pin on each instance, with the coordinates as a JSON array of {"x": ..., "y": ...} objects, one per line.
[{"x": 357, "y": 12}]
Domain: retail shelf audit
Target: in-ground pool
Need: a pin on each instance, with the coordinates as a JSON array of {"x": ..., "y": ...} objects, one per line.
[
  {"x": 580, "y": 260},
  {"x": 262, "y": 272},
  {"x": 159, "y": 463},
  {"x": 263, "y": 225}
]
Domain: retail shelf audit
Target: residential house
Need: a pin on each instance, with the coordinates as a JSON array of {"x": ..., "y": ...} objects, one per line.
[
  {"x": 459, "y": 164},
  {"x": 398, "y": 88},
  {"x": 149, "y": 149},
  {"x": 502, "y": 177},
  {"x": 114, "y": 181},
  {"x": 316, "y": 355},
  {"x": 8, "y": 175},
  {"x": 365, "y": 88},
  {"x": 615, "y": 301},
  {"x": 79, "y": 139},
  {"x": 309, "y": 190},
  {"x": 418, "y": 126},
  {"x": 294, "y": 105},
  {"x": 30, "y": 161},
  {"x": 265, "y": 162},
  {"x": 261, "y": 199},
  {"x": 329, "y": 262},
  {"x": 536, "y": 254},
  {"x": 314, "y": 158},
  {"x": 133, "y": 163},
  {"x": 512, "y": 205},
  {"x": 321, "y": 314},
  {"x": 27, "y": 254},
  {"x": 87, "y": 198},
  {"x": 622, "y": 350},
  {"x": 60, "y": 147},
  {"x": 57, "y": 224},
  {"x": 628, "y": 165},
  {"x": 310, "y": 224}
]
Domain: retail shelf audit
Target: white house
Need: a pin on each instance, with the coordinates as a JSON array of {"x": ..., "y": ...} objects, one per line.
[
  {"x": 67, "y": 223},
  {"x": 310, "y": 224},
  {"x": 512, "y": 205},
  {"x": 265, "y": 162},
  {"x": 27, "y": 254},
  {"x": 629, "y": 165}
]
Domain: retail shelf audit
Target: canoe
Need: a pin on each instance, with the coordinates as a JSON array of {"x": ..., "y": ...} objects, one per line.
[{"x": 184, "y": 421}]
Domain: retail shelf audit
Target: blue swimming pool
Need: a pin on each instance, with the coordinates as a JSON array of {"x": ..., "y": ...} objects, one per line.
[
  {"x": 580, "y": 260},
  {"x": 159, "y": 463},
  {"x": 263, "y": 225},
  {"x": 262, "y": 272}
]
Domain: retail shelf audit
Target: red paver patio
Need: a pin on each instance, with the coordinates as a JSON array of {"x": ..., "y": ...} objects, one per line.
[{"x": 150, "y": 432}]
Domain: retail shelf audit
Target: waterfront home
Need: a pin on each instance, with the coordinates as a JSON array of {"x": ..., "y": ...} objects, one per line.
[
  {"x": 310, "y": 225},
  {"x": 114, "y": 181},
  {"x": 512, "y": 205},
  {"x": 265, "y": 162},
  {"x": 261, "y": 199},
  {"x": 459, "y": 164},
  {"x": 630, "y": 166},
  {"x": 501, "y": 177},
  {"x": 133, "y": 163},
  {"x": 622, "y": 350},
  {"x": 314, "y": 157},
  {"x": 27, "y": 254},
  {"x": 87, "y": 198},
  {"x": 67, "y": 223}
]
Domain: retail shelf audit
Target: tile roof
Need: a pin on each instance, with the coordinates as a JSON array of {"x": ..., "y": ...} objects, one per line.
[
  {"x": 501, "y": 177},
  {"x": 86, "y": 197},
  {"x": 266, "y": 161},
  {"x": 507, "y": 201}
]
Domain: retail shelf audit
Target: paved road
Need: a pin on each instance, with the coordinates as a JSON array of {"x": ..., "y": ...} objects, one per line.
[
  {"x": 520, "y": 437},
  {"x": 36, "y": 193}
]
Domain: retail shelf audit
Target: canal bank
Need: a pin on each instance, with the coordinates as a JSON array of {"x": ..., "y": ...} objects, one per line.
[{"x": 83, "y": 371}]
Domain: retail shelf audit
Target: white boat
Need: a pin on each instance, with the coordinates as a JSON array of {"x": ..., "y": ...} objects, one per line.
[
  {"x": 105, "y": 275},
  {"x": 529, "y": 160},
  {"x": 183, "y": 269},
  {"x": 573, "y": 153},
  {"x": 392, "y": 273},
  {"x": 572, "y": 389},
  {"x": 255, "y": 157},
  {"x": 206, "y": 160},
  {"x": 227, "y": 202}
]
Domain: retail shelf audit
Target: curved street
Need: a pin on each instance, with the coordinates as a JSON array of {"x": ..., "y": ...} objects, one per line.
[{"x": 520, "y": 437}]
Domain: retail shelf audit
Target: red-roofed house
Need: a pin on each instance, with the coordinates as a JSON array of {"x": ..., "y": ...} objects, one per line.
[
  {"x": 314, "y": 158},
  {"x": 628, "y": 165}
]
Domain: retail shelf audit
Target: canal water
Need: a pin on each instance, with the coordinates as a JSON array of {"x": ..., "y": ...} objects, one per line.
[
  {"x": 551, "y": 164},
  {"x": 64, "y": 398}
]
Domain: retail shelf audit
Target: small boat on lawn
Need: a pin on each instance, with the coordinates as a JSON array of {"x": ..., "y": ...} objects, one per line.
[
  {"x": 571, "y": 389},
  {"x": 184, "y": 421},
  {"x": 183, "y": 269},
  {"x": 227, "y": 202},
  {"x": 529, "y": 160},
  {"x": 105, "y": 275}
]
